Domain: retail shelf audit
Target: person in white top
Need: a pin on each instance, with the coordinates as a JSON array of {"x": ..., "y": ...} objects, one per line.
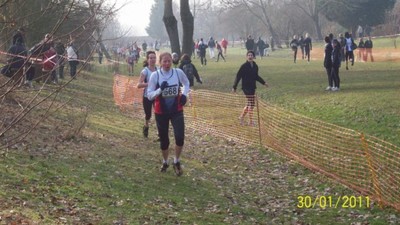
[
  {"x": 149, "y": 67},
  {"x": 72, "y": 55},
  {"x": 164, "y": 88},
  {"x": 349, "y": 49}
]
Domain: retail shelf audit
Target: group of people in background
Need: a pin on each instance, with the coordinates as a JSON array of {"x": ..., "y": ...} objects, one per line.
[
  {"x": 49, "y": 54},
  {"x": 341, "y": 50},
  {"x": 259, "y": 48},
  {"x": 305, "y": 45},
  {"x": 200, "y": 49}
]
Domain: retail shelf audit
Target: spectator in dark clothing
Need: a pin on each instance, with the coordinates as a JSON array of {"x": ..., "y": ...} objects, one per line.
[
  {"x": 336, "y": 62},
  {"x": 342, "y": 42},
  {"x": 202, "y": 51},
  {"x": 328, "y": 62},
  {"x": 368, "y": 49},
  {"x": 301, "y": 46},
  {"x": 16, "y": 61},
  {"x": 248, "y": 73},
  {"x": 271, "y": 40},
  {"x": 19, "y": 34},
  {"x": 331, "y": 37},
  {"x": 261, "y": 47},
  {"x": 211, "y": 46},
  {"x": 60, "y": 49},
  {"x": 361, "y": 50},
  {"x": 307, "y": 47},
  {"x": 294, "y": 44},
  {"x": 250, "y": 43},
  {"x": 144, "y": 47},
  {"x": 189, "y": 69},
  {"x": 18, "y": 55}
]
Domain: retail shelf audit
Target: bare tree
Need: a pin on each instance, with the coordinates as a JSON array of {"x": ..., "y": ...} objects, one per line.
[
  {"x": 79, "y": 19},
  {"x": 187, "y": 27},
  {"x": 312, "y": 8},
  {"x": 259, "y": 9},
  {"x": 171, "y": 24}
]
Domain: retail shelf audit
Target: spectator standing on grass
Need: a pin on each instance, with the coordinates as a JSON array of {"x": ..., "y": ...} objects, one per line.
[
  {"x": 16, "y": 59},
  {"x": 342, "y": 42},
  {"x": 72, "y": 54},
  {"x": 144, "y": 46},
  {"x": 328, "y": 62},
  {"x": 336, "y": 62},
  {"x": 368, "y": 49},
  {"x": 211, "y": 46},
  {"x": 361, "y": 50},
  {"x": 130, "y": 60},
  {"x": 224, "y": 44},
  {"x": 307, "y": 47},
  {"x": 294, "y": 44},
  {"x": 248, "y": 74},
  {"x": 202, "y": 51},
  {"x": 360, "y": 31},
  {"x": 164, "y": 88},
  {"x": 149, "y": 67},
  {"x": 17, "y": 55},
  {"x": 301, "y": 46},
  {"x": 261, "y": 46},
  {"x": 250, "y": 43},
  {"x": 60, "y": 49}
]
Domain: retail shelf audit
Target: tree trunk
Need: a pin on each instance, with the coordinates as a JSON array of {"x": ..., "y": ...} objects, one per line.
[
  {"x": 171, "y": 25},
  {"x": 188, "y": 27},
  {"x": 317, "y": 27}
]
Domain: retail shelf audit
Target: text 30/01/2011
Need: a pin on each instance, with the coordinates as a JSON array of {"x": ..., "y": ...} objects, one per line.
[{"x": 351, "y": 202}]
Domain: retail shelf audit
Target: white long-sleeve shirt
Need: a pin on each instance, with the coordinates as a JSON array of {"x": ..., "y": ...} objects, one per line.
[
  {"x": 72, "y": 56},
  {"x": 168, "y": 100}
]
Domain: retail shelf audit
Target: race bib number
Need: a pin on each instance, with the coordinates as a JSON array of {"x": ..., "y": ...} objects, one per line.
[{"x": 170, "y": 92}]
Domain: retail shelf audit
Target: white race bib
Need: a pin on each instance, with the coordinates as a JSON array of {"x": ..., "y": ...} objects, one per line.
[{"x": 170, "y": 92}]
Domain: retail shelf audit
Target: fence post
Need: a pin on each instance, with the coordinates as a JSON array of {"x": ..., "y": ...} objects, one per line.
[
  {"x": 258, "y": 118},
  {"x": 374, "y": 179}
]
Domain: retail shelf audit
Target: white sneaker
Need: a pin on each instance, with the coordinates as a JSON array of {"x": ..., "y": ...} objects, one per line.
[
  {"x": 328, "y": 88},
  {"x": 335, "y": 89}
]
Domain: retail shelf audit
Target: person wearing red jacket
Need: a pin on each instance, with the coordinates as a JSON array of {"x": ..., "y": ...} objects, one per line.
[{"x": 224, "y": 45}]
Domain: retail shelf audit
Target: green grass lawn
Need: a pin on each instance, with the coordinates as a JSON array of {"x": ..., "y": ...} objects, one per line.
[{"x": 108, "y": 174}]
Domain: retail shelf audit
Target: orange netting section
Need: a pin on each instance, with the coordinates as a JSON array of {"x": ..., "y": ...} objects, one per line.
[{"x": 361, "y": 162}]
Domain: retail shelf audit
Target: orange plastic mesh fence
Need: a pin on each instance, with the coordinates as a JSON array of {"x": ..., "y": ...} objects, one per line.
[
  {"x": 126, "y": 95},
  {"x": 364, "y": 163}
]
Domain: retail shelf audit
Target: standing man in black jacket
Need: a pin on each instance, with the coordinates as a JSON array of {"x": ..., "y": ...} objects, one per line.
[
  {"x": 248, "y": 73},
  {"x": 328, "y": 62}
]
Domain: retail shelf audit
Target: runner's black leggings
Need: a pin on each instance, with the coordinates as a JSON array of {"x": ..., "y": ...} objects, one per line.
[
  {"x": 178, "y": 123},
  {"x": 147, "y": 106}
]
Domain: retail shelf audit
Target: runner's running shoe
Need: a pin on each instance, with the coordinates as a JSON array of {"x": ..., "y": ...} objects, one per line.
[
  {"x": 164, "y": 167},
  {"x": 145, "y": 131},
  {"x": 178, "y": 168}
]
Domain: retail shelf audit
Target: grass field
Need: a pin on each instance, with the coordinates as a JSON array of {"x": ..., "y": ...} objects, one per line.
[{"x": 107, "y": 173}]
